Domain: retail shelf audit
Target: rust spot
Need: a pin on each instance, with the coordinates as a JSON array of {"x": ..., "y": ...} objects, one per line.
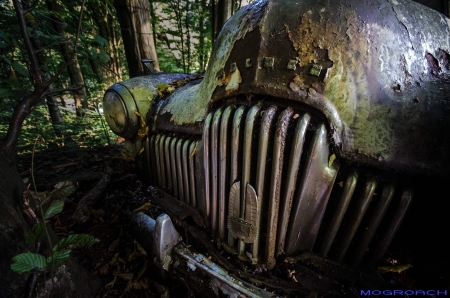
[{"x": 433, "y": 64}]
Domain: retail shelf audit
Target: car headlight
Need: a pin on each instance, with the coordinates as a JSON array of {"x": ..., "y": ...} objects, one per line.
[{"x": 119, "y": 110}]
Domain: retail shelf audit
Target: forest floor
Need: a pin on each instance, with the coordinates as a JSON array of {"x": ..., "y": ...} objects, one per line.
[{"x": 123, "y": 267}]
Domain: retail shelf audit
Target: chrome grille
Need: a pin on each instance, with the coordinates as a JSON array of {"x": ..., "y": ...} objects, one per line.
[
  {"x": 172, "y": 165},
  {"x": 269, "y": 174}
]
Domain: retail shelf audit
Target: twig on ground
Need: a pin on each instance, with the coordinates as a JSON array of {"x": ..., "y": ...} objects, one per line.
[{"x": 83, "y": 211}]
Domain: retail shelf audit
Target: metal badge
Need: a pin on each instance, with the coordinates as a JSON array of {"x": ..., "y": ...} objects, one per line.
[
  {"x": 292, "y": 64},
  {"x": 243, "y": 227},
  {"x": 269, "y": 62},
  {"x": 315, "y": 70}
]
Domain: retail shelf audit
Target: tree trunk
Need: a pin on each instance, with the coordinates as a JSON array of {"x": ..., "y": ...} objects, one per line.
[
  {"x": 137, "y": 34},
  {"x": 13, "y": 228},
  {"x": 224, "y": 12},
  {"x": 75, "y": 74}
]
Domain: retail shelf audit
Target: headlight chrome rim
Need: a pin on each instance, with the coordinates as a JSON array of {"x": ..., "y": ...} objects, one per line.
[{"x": 119, "y": 110}]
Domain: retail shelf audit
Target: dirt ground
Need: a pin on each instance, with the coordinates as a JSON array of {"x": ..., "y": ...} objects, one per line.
[{"x": 125, "y": 269}]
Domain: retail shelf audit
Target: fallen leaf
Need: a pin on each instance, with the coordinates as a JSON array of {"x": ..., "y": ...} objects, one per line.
[
  {"x": 124, "y": 276},
  {"x": 143, "y": 207},
  {"x": 394, "y": 268}
]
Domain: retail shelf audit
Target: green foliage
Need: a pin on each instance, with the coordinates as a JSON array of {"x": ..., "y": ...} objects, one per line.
[
  {"x": 37, "y": 234},
  {"x": 28, "y": 261},
  {"x": 55, "y": 208},
  {"x": 75, "y": 239}
]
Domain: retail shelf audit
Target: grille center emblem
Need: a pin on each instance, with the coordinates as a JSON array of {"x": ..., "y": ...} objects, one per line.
[{"x": 243, "y": 213}]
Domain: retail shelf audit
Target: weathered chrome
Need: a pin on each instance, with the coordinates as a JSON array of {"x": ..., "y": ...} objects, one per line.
[
  {"x": 234, "y": 154},
  {"x": 215, "y": 170},
  {"x": 391, "y": 230},
  {"x": 206, "y": 161},
  {"x": 223, "y": 185},
  {"x": 291, "y": 179},
  {"x": 246, "y": 163},
  {"x": 185, "y": 161},
  {"x": 168, "y": 166},
  {"x": 264, "y": 135},
  {"x": 180, "y": 169},
  {"x": 173, "y": 164},
  {"x": 339, "y": 213},
  {"x": 275, "y": 185},
  {"x": 158, "y": 177},
  {"x": 316, "y": 183},
  {"x": 374, "y": 222},
  {"x": 356, "y": 216},
  {"x": 162, "y": 171},
  {"x": 191, "y": 158},
  {"x": 157, "y": 236},
  {"x": 153, "y": 159},
  {"x": 119, "y": 107},
  {"x": 204, "y": 264},
  {"x": 241, "y": 227}
]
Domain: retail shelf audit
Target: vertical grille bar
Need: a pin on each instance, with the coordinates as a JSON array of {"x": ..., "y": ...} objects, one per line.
[
  {"x": 162, "y": 172},
  {"x": 357, "y": 216},
  {"x": 392, "y": 228},
  {"x": 316, "y": 184},
  {"x": 184, "y": 160},
  {"x": 275, "y": 185},
  {"x": 336, "y": 221},
  {"x": 264, "y": 134},
  {"x": 374, "y": 222},
  {"x": 152, "y": 152},
  {"x": 246, "y": 163},
  {"x": 291, "y": 178},
  {"x": 206, "y": 161},
  {"x": 158, "y": 159},
  {"x": 234, "y": 154},
  {"x": 179, "y": 169},
  {"x": 173, "y": 163},
  {"x": 215, "y": 169},
  {"x": 223, "y": 169},
  {"x": 168, "y": 161},
  {"x": 192, "y": 173}
]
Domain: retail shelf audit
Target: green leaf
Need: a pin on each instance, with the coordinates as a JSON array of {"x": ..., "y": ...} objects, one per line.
[
  {"x": 103, "y": 57},
  {"x": 63, "y": 190},
  {"x": 20, "y": 69},
  {"x": 4, "y": 35},
  {"x": 27, "y": 261},
  {"x": 38, "y": 233},
  {"x": 75, "y": 239},
  {"x": 101, "y": 41},
  {"x": 55, "y": 208},
  {"x": 4, "y": 93},
  {"x": 59, "y": 256}
]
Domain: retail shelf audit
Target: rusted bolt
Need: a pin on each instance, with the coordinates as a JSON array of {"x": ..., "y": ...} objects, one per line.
[
  {"x": 232, "y": 67},
  {"x": 292, "y": 64},
  {"x": 248, "y": 63},
  {"x": 268, "y": 62},
  {"x": 315, "y": 70}
]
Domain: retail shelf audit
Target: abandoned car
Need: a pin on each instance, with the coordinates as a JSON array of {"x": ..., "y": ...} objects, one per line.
[{"x": 305, "y": 135}]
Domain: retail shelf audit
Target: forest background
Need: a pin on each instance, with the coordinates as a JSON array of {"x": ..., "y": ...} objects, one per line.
[{"x": 177, "y": 34}]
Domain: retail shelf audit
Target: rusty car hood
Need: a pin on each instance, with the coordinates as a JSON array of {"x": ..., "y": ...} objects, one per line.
[{"x": 377, "y": 70}]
